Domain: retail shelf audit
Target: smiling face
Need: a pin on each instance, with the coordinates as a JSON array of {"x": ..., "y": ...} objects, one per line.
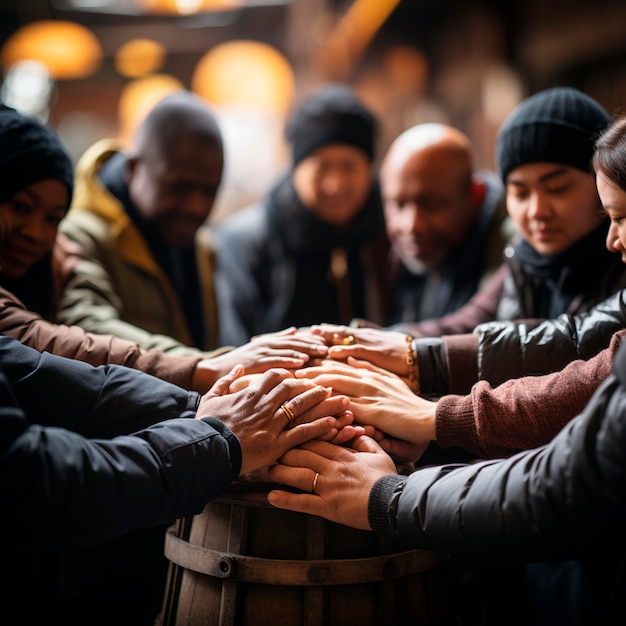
[
  {"x": 334, "y": 182},
  {"x": 614, "y": 203},
  {"x": 33, "y": 215},
  {"x": 552, "y": 205}
]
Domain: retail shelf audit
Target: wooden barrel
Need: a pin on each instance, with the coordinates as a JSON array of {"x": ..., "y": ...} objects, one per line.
[{"x": 242, "y": 562}]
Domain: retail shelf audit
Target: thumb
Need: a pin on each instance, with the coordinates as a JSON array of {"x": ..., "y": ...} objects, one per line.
[{"x": 220, "y": 388}]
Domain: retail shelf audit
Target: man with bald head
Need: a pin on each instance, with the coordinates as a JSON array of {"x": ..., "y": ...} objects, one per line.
[
  {"x": 147, "y": 267},
  {"x": 446, "y": 222}
]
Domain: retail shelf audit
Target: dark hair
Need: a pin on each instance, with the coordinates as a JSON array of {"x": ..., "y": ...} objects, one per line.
[
  {"x": 36, "y": 289},
  {"x": 610, "y": 153}
]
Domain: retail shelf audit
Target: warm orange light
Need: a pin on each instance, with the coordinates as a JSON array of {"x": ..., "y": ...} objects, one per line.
[
  {"x": 139, "y": 96},
  {"x": 353, "y": 34},
  {"x": 247, "y": 73},
  {"x": 407, "y": 68},
  {"x": 186, "y": 7},
  {"x": 139, "y": 57},
  {"x": 68, "y": 50}
]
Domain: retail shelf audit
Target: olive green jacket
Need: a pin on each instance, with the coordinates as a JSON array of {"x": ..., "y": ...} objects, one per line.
[{"x": 115, "y": 286}]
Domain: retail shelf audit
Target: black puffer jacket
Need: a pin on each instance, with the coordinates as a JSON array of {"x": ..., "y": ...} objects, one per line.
[
  {"x": 563, "y": 500},
  {"x": 501, "y": 350},
  {"x": 69, "y": 477},
  {"x": 513, "y": 349}
]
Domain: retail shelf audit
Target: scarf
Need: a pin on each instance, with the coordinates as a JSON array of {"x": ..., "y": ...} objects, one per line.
[{"x": 564, "y": 276}]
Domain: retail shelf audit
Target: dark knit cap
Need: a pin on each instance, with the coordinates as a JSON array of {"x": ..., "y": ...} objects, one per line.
[
  {"x": 559, "y": 125},
  {"x": 332, "y": 115},
  {"x": 30, "y": 152}
]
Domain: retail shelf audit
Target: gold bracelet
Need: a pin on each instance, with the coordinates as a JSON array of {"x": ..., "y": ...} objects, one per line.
[{"x": 412, "y": 365}]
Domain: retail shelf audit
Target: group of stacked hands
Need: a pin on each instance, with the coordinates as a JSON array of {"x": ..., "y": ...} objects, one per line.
[{"x": 93, "y": 445}]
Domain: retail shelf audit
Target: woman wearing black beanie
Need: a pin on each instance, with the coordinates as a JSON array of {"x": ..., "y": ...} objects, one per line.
[{"x": 36, "y": 184}]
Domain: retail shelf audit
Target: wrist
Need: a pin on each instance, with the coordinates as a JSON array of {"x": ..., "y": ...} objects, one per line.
[
  {"x": 204, "y": 376},
  {"x": 411, "y": 363}
]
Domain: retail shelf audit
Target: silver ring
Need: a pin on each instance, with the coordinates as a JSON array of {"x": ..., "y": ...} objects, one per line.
[{"x": 317, "y": 475}]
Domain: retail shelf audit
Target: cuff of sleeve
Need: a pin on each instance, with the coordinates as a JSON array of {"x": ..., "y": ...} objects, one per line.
[
  {"x": 431, "y": 364},
  {"x": 383, "y": 502},
  {"x": 461, "y": 353},
  {"x": 455, "y": 424},
  {"x": 234, "y": 447}
]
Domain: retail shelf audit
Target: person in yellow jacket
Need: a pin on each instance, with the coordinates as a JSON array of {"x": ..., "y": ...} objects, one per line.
[{"x": 145, "y": 272}]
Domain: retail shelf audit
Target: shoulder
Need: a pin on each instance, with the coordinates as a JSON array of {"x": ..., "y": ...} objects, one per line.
[
  {"x": 245, "y": 226},
  {"x": 84, "y": 226}
]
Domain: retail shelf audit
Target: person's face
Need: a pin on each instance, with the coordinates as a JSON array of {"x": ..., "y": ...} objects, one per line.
[
  {"x": 552, "y": 205},
  {"x": 428, "y": 206},
  {"x": 30, "y": 219},
  {"x": 614, "y": 203},
  {"x": 334, "y": 182},
  {"x": 175, "y": 189}
]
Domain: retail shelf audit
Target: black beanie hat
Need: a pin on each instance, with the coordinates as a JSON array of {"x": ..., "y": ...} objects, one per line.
[
  {"x": 332, "y": 115},
  {"x": 30, "y": 152},
  {"x": 559, "y": 125}
]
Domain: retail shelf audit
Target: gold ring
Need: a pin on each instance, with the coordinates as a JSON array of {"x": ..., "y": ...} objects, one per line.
[
  {"x": 317, "y": 475},
  {"x": 348, "y": 341},
  {"x": 288, "y": 411}
]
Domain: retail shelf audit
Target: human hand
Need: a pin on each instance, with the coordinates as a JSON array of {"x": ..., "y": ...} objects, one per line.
[
  {"x": 288, "y": 349},
  {"x": 345, "y": 427},
  {"x": 337, "y": 480},
  {"x": 383, "y": 348},
  {"x": 273, "y": 413},
  {"x": 377, "y": 398}
]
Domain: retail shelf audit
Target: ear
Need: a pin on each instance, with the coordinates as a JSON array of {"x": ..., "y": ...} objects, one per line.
[
  {"x": 479, "y": 189},
  {"x": 131, "y": 167}
]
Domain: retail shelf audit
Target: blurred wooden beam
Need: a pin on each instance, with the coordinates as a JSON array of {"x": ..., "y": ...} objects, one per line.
[{"x": 351, "y": 36}]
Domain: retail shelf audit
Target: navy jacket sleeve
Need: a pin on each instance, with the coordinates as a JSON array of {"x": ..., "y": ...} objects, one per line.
[
  {"x": 560, "y": 500},
  {"x": 59, "y": 489},
  {"x": 103, "y": 401}
]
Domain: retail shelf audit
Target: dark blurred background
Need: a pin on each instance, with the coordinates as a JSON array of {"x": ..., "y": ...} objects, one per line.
[{"x": 467, "y": 63}]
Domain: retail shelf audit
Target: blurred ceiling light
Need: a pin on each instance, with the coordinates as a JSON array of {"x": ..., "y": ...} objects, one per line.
[
  {"x": 138, "y": 7},
  {"x": 249, "y": 74},
  {"x": 27, "y": 87},
  {"x": 139, "y": 57},
  {"x": 187, "y": 7},
  {"x": 67, "y": 49},
  {"x": 139, "y": 96}
]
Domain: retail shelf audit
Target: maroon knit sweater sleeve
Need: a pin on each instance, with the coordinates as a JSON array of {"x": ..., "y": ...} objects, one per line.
[{"x": 522, "y": 413}]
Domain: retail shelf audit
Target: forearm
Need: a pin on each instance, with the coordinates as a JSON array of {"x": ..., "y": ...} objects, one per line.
[
  {"x": 521, "y": 413},
  {"x": 74, "y": 342},
  {"x": 551, "y": 502},
  {"x": 105, "y": 488},
  {"x": 106, "y": 401}
]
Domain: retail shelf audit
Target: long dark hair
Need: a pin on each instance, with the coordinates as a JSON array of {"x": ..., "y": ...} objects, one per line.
[{"x": 610, "y": 153}]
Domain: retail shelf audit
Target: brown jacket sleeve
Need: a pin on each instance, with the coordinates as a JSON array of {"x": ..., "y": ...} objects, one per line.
[
  {"x": 522, "y": 413},
  {"x": 73, "y": 342}
]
